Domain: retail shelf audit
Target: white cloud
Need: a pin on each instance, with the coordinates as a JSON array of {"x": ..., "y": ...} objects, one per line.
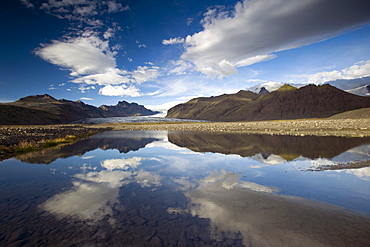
[
  {"x": 189, "y": 21},
  {"x": 358, "y": 70},
  {"x": 167, "y": 105},
  {"x": 181, "y": 67},
  {"x": 173, "y": 41},
  {"x": 84, "y": 88},
  {"x": 85, "y": 201},
  {"x": 269, "y": 85},
  {"x": 255, "y": 59},
  {"x": 122, "y": 164},
  {"x": 28, "y": 4},
  {"x": 148, "y": 179},
  {"x": 362, "y": 173},
  {"x": 90, "y": 61},
  {"x": 219, "y": 70},
  {"x": 254, "y": 30},
  {"x": 114, "y": 7},
  {"x": 108, "y": 77},
  {"x": 82, "y": 55},
  {"x": 145, "y": 73},
  {"x": 120, "y": 90},
  {"x": 84, "y": 98}
]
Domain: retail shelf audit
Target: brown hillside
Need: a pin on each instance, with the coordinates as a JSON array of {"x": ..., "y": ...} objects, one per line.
[
  {"x": 286, "y": 103},
  {"x": 44, "y": 109}
]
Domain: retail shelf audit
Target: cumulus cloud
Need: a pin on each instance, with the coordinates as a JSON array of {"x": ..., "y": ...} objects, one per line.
[
  {"x": 358, "y": 70},
  {"x": 87, "y": 52},
  {"x": 173, "y": 41},
  {"x": 254, "y": 30},
  {"x": 120, "y": 90},
  {"x": 90, "y": 61}
]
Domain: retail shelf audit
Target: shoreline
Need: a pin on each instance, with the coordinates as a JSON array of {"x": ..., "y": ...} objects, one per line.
[
  {"x": 298, "y": 127},
  {"x": 20, "y": 139},
  {"x": 11, "y": 136}
]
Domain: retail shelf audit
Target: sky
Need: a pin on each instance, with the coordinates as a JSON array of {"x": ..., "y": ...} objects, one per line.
[{"x": 160, "y": 53}]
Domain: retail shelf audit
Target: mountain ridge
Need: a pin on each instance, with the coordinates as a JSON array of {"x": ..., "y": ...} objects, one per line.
[
  {"x": 287, "y": 102},
  {"x": 45, "y": 109}
]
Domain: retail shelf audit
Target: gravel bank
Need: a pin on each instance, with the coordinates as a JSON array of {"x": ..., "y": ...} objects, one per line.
[
  {"x": 316, "y": 127},
  {"x": 11, "y": 136}
]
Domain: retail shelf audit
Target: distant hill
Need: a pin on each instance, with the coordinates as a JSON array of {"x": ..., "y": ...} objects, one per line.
[
  {"x": 355, "y": 114},
  {"x": 45, "y": 109},
  {"x": 287, "y": 102}
]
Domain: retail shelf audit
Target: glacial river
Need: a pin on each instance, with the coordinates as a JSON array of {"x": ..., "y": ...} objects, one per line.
[{"x": 158, "y": 188}]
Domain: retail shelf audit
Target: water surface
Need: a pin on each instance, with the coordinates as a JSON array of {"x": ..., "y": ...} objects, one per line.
[{"x": 157, "y": 188}]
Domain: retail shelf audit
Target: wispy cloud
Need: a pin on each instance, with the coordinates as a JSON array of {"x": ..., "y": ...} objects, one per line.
[
  {"x": 81, "y": 10},
  {"x": 254, "y": 30},
  {"x": 27, "y": 3},
  {"x": 358, "y": 70},
  {"x": 84, "y": 98}
]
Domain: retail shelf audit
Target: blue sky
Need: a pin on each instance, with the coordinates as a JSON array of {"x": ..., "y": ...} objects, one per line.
[{"x": 162, "y": 52}]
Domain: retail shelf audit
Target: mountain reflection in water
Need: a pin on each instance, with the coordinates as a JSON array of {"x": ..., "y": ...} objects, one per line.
[
  {"x": 247, "y": 145},
  {"x": 136, "y": 188}
]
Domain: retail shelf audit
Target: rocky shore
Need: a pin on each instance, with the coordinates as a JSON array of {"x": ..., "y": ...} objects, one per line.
[
  {"x": 315, "y": 127},
  {"x": 13, "y": 135},
  {"x": 28, "y": 138}
]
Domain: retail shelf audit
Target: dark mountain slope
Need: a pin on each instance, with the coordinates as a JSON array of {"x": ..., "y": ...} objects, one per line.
[
  {"x": 124, "y": 109},
  {"x": 44, "y": 109},
  {"x": 285, "y": 103}
]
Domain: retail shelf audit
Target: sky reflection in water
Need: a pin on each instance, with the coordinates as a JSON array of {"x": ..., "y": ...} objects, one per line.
[{"x": 133, "y": 188}]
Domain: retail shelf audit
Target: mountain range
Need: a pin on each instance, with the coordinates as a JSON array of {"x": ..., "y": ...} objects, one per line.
[
  {"x": 287, "y": 102},
  {"x": 355, "y": 86},
  {"x": 45, "y": 109}
]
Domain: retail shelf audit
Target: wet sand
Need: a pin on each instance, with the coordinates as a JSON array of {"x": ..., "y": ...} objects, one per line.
[{"x": 219, "y": 212}]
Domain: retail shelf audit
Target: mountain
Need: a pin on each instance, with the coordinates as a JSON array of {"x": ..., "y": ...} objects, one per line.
[
  {"x": 124, "y": 109},
  {"x": 350, "y": 83},
  {"x": 269, "y": 86},
  {"x": 263, "y": 91},
  {"x": 355, "y": 114},
  {"x": 287, "y": 102},
  {"x": 45, "y": 109}
]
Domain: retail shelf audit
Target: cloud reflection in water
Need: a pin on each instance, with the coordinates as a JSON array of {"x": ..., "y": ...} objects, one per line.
[
  {"x": 94, "y": 194},
  {"x": 264, "y": 218}
]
